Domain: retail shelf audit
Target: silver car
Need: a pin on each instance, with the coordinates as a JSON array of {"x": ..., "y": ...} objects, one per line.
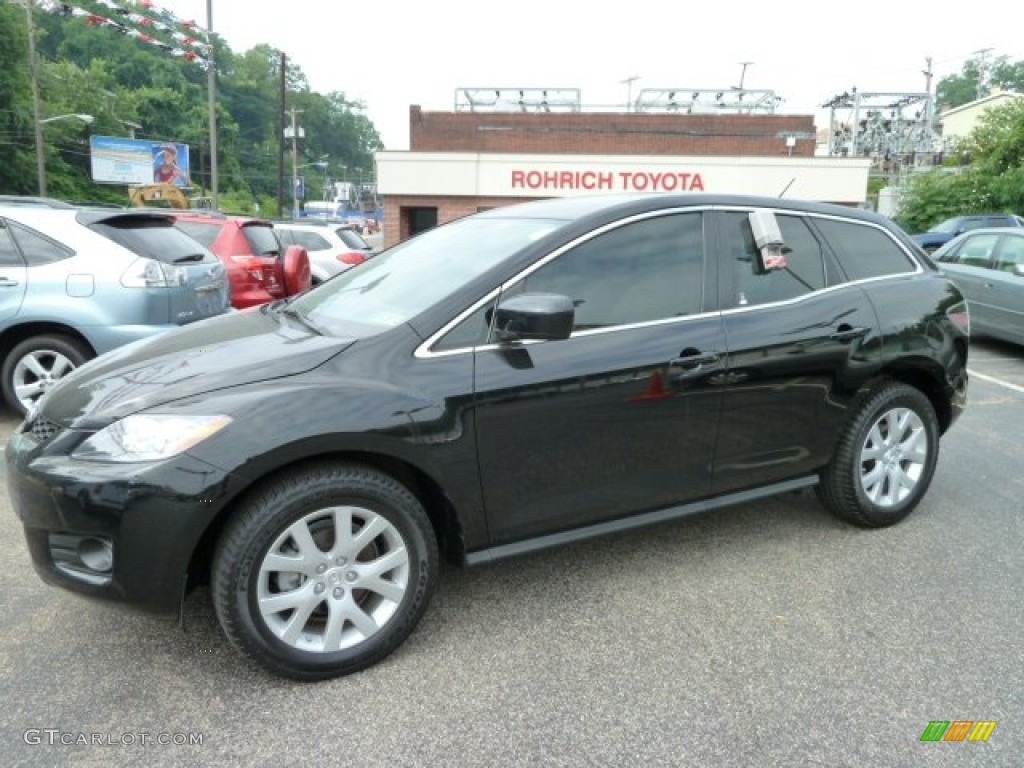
[
  {"x": 78, "y": 282},
  {"x": 988, "y": 267},
  {"x": 332, "y": 248}
]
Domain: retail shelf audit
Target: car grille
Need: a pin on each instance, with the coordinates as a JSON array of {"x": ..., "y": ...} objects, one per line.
[{"x": 43, "y": 430}]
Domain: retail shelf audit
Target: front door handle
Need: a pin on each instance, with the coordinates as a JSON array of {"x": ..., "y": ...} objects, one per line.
[
  {"x": 848, "y": 333},
  {"x": 693, "y": 359},
  {"x": 6, "y": 282}
]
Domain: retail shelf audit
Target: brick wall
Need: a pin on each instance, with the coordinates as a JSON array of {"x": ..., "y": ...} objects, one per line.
[
  {"x": 608, "y": 133},
  {"x": 396, "y": 226}
]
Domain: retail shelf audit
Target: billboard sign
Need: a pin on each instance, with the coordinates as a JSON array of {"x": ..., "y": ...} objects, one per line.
[{"x": 118, "y": 160}]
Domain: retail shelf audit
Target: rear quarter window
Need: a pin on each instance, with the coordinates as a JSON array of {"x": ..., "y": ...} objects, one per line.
[
  {"x": 38, "y": 249},
  {"x": 262, "y": 240},
  {"x": 865, "y": 251}
]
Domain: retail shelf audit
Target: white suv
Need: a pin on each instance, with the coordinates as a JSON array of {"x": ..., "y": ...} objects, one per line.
[{"x": 332, "y": 247}]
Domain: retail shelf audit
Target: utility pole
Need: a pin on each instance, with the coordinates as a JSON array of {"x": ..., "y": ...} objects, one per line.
[
  {"x": 743, "y": 73},
  {"x": 280, "y": 142},
  {"x": 211, "y": 87},
  {"x": 982, "y": 72},
  {"x": 295, "y": 163},
  {"x": 929, "y": 111},
  {"x": 33, "y": 64},
  {"x": 628, "y": 82}
]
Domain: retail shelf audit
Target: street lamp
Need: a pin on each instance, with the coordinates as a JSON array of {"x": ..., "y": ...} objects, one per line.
[{"x": 40, "y": 151}]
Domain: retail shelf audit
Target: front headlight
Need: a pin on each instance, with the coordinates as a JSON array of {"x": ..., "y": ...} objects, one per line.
[{"x": 149, "y": 437}]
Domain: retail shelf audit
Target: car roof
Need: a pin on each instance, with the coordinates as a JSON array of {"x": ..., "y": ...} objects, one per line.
[{"x": 569, "y": 208}]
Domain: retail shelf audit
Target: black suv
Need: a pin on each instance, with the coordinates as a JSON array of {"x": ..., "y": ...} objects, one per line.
[{"x": 521, "y": 378}]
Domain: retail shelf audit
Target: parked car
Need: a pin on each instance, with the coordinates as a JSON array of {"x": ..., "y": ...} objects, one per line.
[
  {"x": 988, "y": 267},
  {"x": 942, "y": 233},
  {"x": 259, "y": 267},
  {"x": 332, "y": 248},
  {"x": 75, "y": 283},
  {"x": 524, "y": 377}
]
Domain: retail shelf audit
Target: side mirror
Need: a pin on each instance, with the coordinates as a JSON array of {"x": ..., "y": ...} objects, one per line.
[{"x": 542, "y": 316}]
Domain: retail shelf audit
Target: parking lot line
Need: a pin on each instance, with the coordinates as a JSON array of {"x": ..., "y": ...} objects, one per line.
[{"x": 994, "y": 380}]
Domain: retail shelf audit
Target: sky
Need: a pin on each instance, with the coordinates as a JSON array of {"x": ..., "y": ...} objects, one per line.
[{"x": 390, "y": 54}]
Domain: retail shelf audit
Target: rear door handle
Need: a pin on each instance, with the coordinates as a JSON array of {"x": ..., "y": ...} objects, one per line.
[{"x": 6, "y": 282}]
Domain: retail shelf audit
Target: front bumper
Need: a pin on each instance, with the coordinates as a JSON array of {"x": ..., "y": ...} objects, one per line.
[{"x": 149, "y": 517}]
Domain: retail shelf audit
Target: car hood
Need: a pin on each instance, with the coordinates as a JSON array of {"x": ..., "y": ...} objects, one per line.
[{"x": 226, "y": 351}]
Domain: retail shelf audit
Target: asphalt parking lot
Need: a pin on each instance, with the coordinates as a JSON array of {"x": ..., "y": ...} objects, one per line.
[{"x": 768, "y": 634}]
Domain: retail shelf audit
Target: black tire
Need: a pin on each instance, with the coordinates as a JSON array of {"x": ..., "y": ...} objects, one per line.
[
  {"x": 257, "y": 537},
  {"x": 876, "y": 478},
  {"x": 48, "y": 350}
]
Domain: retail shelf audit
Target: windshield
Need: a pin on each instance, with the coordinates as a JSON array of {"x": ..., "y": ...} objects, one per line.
[{"x": 405, "y": 280}]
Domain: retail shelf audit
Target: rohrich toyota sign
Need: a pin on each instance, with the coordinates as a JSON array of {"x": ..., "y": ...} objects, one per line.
[
  {"x": 608, "y": 181},
  {"x": 494, "y": 175}
]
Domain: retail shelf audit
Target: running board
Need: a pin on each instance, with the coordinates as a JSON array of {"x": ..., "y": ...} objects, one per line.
[{"x": 635, "y": 521}]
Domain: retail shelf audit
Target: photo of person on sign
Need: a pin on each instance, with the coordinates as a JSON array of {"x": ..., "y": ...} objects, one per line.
[{"x": 165, "y": 166}]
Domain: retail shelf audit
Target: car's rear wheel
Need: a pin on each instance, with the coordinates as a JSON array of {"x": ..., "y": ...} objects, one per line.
[
  {"x": 885, "y": 459},
  {"x": 35, "y": 365},
  {"x": 325, "y": 571}
]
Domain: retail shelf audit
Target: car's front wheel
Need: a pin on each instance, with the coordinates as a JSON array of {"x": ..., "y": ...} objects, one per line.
[
  {"x": 885, "y": 459},
  {"x": 325, "y": 571},
  {"x": 36, "y": 364}
]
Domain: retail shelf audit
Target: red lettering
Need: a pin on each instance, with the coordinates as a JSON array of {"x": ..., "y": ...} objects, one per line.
[
  {"x": 587, "y": 179},
  {"x": 641, "y": 181},
  {"x": 625, "y": 176},
  {"x": 605, "y": 180},
  {"x": 684, "y": 181},
  {"x": 670, "y": 182},
  {"x": 533, "y": 179},
  {"x": 698, "y": 183},
  {"x": 551, "y": 179},
  {"x": 565, "y": 180},
  {"x": 518, "y": 179}
]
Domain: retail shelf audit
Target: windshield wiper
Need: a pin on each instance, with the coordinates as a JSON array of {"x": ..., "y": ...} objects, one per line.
[
  {"x": 294, "y": 313},
  {"x": 189, "y": 257}
]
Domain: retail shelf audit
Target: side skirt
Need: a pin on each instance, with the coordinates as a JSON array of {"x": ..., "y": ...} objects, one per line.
[{"x": 635, "y": 521}]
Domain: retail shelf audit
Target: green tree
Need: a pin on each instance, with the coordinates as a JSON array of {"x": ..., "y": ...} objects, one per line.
[
  {"x": 17, "y": 163},
  {"x": 957, "y": 90}
]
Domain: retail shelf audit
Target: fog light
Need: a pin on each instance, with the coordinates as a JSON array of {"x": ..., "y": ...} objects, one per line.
[
  {"x": 96, "y": 554},
  {"x": 83, "y": 557}
]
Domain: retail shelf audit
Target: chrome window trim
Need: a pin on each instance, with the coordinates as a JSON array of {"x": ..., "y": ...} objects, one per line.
[{"x": 424, "y": 351}]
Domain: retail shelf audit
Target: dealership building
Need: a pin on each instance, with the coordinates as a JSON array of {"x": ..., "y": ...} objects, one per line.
[{"x": 466, "y": 161}]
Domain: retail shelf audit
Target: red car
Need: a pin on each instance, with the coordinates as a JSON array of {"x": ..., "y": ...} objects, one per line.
[{"x": 259, "y": 267}]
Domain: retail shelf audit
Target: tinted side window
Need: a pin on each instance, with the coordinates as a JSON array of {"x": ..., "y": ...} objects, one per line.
[
  {"x": 36, "y": 248},
  {"x": 471, "y": 332},
  {"x": 648, "y": 270},
  {"x": 975, "y": 251},
  {"x": 972, "y": 223},
  {"x": 805, "y": 263},
  {"x": 285, "y": 236},
  {"x": 864, "y": 251},
  {"x": 1010, "y": 254},
  {"x": 8, "y": 253}
]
